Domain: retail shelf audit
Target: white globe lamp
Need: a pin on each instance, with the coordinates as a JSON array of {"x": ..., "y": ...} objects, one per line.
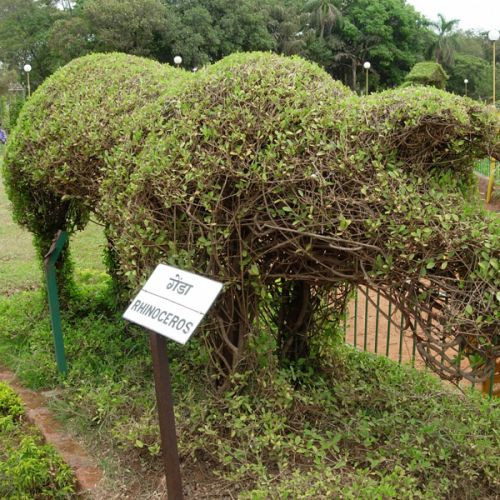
[
  {"x": 367, "y": 66},
  {"x": 27, "y": 69}
]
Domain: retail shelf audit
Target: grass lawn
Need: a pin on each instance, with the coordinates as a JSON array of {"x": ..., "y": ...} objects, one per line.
[
  {"x": 20, "y": 270},
  {"x": 351, "y": 426},
  {"x": 18, "y": 267}
]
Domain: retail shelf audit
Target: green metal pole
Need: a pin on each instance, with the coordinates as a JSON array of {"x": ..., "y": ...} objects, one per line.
[
  {"x": 55, "y": 313},
  {"x": 401, "y": 331},
  {"x": 389, "y": 312}
]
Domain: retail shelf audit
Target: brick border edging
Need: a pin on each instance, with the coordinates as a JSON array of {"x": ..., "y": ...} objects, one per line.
[{"x": 87, "y": 474}]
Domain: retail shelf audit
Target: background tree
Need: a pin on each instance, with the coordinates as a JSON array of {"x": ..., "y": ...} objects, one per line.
[
  {"x": 339, "y": 35},
  {"x": 139, "y": 27},
  {"x": 24, "y": 27},
  {"x": 324, "y": 15},
  {"x": 7, "y": 78},
  {"x": 211, "y": 29},
  {"x": 287, "y": 27},
  {"x": 69, "y": 38},
  {"x": 389, "y": 33},
  {"x": 479, "y": 73},
  {"x": 442, "y": 49}
]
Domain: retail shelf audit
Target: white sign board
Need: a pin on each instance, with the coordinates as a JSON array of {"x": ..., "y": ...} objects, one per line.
[{"x": 173, "y": 302}]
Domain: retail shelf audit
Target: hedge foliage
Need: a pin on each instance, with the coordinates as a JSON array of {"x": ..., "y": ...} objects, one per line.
[
  {"x": 264, "y": 173},
  {"x": 28, "y": 468},
  {"x": 10, "y": 402},
  {"x": 428, "y": 73}
]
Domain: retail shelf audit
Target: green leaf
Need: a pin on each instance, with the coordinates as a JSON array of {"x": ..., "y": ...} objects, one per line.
[{"x": 254, "y": 270}]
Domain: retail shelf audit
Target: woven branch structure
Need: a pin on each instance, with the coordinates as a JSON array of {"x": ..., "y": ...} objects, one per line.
[{"x": 264, "y": 173}]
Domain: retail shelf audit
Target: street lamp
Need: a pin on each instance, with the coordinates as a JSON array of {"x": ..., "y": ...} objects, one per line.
[
  {"x": 367, "y": 66},
  {"x": 27, "y": 69},
  {"x": 177, "y": 60},
  {"x": 493, "y": 35},
  {"x": 466, "y": 82}
]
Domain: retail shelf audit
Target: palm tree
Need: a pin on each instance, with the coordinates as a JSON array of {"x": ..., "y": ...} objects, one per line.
[
  {"x": 324, "y": 14},
  {"x": 443, "y": 47}
]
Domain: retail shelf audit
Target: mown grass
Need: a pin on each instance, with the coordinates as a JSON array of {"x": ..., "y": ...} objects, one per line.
[{"x": 19, "y": 267}]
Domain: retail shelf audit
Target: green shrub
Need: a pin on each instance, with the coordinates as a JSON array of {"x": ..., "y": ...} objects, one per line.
[
  {"x": 10, "y": 402},
  {"x": 264, "y": 173},
  {"x": 84, "y": 135},
  {"x": 28, "y": 469},
  {"x": 33, "y": 470},
  {"x": 428, "y": 73},
  {"x": 4, "y": 113},
  {"x": 15, "y": 107}
]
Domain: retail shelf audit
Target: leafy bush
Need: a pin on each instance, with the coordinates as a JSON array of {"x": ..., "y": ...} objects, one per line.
[
  {"x": 10, "y": 402},
  {"x": 84, "y": 136},
  {"x": 15, "y": 107},
  {"x": 28, "y": 469},
  {"x": 428, "y": 73},
  {"x": 34, "y": 470},
  {"x": 262, "y": 172}
]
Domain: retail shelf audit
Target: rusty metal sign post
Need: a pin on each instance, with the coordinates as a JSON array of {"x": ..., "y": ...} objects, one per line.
[
  {"x": 166, "y": 416},
  {"x": 171, "y": 305}
]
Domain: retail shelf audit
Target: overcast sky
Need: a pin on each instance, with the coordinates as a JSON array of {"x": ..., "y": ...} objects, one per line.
[{"x": 473, "y": 14}]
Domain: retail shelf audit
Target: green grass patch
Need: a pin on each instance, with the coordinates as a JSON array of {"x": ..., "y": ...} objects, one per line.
[
  {"x": 19, "y": 267},
  {"x": 356, "y": 426},
  {"x": 28, "y": 468}
]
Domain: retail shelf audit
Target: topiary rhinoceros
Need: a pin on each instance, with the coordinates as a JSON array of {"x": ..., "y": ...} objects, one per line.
[{"x": 264, "y": 173}]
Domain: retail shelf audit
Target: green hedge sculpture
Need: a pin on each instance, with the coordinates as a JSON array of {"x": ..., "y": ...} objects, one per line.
[
  {"x": 262, "y": 172},
  {"x": 428, "y": 73}
]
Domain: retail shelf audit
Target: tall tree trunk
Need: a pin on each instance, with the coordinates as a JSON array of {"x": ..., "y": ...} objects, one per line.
[
  {"x": 354, "y": 68},
  {"x": 294, "y": 320}
]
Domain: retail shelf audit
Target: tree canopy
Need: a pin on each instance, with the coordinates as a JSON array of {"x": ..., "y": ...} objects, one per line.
[{"x": 338, "y": 35}]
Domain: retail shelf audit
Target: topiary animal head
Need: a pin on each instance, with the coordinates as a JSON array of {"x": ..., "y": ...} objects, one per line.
[{"x": 264, "y": 173}]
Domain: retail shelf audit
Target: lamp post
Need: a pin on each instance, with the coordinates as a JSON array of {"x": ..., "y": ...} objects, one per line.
[
  {"x": 27, "y": 69},
  {"x": 177, "y": 60},
  {"x": 466, "y": 82},
  {"x": 493, "y": 35},
  {"x": 367, "y": 66}
]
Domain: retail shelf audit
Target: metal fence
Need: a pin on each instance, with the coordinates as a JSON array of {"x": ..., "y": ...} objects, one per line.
[
  {"x": 483, "y": 167},
  {"x": 375, "y": 325}
]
